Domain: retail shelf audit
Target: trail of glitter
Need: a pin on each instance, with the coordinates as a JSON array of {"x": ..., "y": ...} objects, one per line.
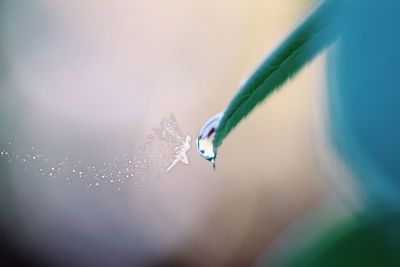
[{"x": 147, "y": 161}]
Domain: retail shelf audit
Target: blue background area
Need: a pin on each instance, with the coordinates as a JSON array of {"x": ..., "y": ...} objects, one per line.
[{"x": 363, "y": 95}]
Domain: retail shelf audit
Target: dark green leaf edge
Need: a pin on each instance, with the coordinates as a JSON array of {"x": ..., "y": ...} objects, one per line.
[{"x": 314, "y": 34}]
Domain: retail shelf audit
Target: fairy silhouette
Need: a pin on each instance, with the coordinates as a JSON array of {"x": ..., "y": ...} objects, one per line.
[{"x": 169, "y": 132}]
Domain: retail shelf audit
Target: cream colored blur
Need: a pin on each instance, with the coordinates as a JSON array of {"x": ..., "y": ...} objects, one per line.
[{"x": 106, "y": 72}]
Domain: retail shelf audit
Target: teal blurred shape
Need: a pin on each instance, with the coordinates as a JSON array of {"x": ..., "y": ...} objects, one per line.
[
  {"x": 363, "y": 97},
  {"x": 364, "y": 112}
]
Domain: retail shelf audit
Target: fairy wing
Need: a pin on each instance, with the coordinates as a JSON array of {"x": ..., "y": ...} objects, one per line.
[{"x": 169, "y": 130}]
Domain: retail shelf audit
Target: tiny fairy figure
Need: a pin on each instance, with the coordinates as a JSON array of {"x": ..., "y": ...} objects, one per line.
[
  {"x": 169, "y": 132},
  {"x": 181, "y": 153}
]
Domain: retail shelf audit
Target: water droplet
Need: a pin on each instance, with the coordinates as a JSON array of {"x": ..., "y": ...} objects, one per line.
[{"x": 204, "y": 142}]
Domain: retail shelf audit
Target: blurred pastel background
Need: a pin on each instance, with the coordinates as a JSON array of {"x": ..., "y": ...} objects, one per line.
[{"x": 90, "y": 79}]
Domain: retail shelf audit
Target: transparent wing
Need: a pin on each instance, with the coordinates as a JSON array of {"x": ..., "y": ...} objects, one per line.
[{"x": 169, "y": 130}]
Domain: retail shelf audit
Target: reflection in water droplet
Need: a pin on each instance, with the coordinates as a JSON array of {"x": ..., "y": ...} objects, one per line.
[{"x": 204, "y": 142}]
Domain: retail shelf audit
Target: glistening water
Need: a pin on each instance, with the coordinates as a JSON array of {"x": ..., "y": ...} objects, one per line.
[{"x": 204, "y": 142}]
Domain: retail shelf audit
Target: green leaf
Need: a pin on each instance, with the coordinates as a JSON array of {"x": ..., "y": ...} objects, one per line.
[{"x": 315, "y": 33}]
